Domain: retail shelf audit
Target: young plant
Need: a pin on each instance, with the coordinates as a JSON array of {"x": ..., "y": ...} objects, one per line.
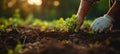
[
  {"x": 71, "y": 23},
  {"x": 60, "y": 25},
  {"x": 91, "y": 32}
]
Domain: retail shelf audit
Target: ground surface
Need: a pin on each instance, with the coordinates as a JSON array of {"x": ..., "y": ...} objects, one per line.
[{"x": 36, "y": 41}]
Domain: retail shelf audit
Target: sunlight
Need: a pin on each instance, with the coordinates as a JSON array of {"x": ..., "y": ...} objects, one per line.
[
  {"x": 56, "y": 3},
  {"x": 36, "y": 2}
]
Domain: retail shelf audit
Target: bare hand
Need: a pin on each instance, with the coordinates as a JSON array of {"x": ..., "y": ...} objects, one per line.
[{"x": 79, "y": 22}]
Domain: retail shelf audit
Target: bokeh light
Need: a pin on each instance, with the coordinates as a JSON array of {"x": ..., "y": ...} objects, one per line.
[
  {"x": 36, "y": 2},
  {"x": 11, "y": 3},
  {"x": 56, "y": 3}
]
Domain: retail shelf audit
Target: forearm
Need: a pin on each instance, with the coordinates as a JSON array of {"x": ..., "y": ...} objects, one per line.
[
  {"x": 114, "y": 11},
  {"x": 83, "y": 8}
]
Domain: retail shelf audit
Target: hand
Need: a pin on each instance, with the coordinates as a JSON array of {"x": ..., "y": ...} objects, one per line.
[
  {"x": 79, "y": 22},
  {"x": 102, "y": 23}
]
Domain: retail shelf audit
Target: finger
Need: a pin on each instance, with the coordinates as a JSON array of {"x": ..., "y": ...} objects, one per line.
[
  {"x": 93, "y": 25},
  {"x": 100, "y": 30},
  {"x": 93, "y": 28},
  {"x": 97, "y": 28},
  {"x": 90, "y": 29}
]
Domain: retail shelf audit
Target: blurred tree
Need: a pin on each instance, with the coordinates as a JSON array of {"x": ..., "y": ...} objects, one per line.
[
  {"x": 98, "y": 9},
  {"x": 49, "y": 9},
  {"x": 68, "y": 7},
  {"x": 8, "y": 8},
  {"x": 54, "y": 9}
]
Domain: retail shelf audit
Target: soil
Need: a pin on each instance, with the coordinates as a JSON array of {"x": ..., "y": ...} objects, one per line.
[{"x": 36, "y": 41}]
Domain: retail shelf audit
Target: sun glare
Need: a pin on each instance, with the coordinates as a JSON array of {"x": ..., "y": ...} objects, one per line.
[{"x": 36, "y": 2}]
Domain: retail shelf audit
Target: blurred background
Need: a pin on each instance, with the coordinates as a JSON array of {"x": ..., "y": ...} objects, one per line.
[{"x": 48, "y": 9}]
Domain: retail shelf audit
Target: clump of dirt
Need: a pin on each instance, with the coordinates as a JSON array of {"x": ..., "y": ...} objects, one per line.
[{"x": 36, "y": 41}]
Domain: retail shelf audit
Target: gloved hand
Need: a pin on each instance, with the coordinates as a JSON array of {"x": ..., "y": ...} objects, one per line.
[{"x": 102, "y": 23}]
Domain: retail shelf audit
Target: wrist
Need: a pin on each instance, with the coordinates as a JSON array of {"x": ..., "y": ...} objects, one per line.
[
  {"x": 109, "y": 17},
  {"x": 79, "y": 16}
]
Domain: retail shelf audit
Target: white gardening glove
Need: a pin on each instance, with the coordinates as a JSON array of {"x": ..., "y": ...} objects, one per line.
[{"x": 102, "y": 23}]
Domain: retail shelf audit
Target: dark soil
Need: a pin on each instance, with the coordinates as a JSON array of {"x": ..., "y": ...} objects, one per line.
[{"x": 36, "y": 41}]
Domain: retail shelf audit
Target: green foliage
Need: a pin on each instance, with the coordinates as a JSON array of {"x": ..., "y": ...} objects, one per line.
[
  {"x": 91, "y": 32},
  {"x": 17, "y": 14},
  {"x": 3, "y": 23},
  {"x": 16, "y": 49},
  {"x": 68, "y": 24},
  {"x": 87, "y": 23},
  {"x": 36, "y": 22},
  {"x": 60, "y": 24},
  {"x": 2, "y": 27},
  {"x": 16, "y": 21},
  {"x": 10, "y": 51},
  {"x": 71, "y": 23}
]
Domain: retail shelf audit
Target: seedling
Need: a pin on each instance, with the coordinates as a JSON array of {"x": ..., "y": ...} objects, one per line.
[
  {"x": 91, "y": 32},
  {"x": 71, "y": 23}
]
